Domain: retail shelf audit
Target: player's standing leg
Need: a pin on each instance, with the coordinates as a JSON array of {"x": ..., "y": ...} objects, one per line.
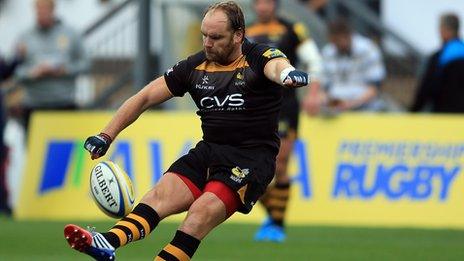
[{"x": 214, "y": 206}]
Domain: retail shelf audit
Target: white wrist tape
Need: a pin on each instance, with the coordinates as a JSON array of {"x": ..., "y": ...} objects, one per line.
[{"x": 285, "y": 72}]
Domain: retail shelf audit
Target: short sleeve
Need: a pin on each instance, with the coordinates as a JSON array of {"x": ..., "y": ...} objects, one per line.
[
  {"x": 374, "y": 69},
  {"x": 259, "y": 55},
  {"x": 177, "y": 78}
]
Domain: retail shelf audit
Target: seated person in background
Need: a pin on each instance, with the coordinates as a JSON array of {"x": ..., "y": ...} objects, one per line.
[{"x": 352, "y": 71}]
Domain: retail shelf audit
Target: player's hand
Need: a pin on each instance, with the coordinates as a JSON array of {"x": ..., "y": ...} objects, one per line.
[
  {"x": 98, "y": 145},
  {"x": 296, "y": 78}
]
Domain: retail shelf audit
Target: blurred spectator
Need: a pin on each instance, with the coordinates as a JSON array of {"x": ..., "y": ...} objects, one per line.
[
  {"x": 315, "y": 5},
  {"x": 441, "y": 87},
  {"x": 6, "y": 70},
  {"x": 4, "y": 207},
  {"x": 54, "y": 56},
  {"x": 293, "y": 40},
  {"x": 352, "y": 73}
]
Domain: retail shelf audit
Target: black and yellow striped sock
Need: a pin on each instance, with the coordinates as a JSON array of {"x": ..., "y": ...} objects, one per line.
[
  {"x": 276, "y": 202},
  {"x": 137, "y": 225},
  {"x": 181, "y": 248}
]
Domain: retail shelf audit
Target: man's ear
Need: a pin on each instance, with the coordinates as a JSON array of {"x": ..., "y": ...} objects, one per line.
[{"x": 238, "y": 36}]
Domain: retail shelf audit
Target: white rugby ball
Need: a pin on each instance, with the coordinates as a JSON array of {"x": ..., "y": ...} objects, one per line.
[{"x": 112, "y": 189}]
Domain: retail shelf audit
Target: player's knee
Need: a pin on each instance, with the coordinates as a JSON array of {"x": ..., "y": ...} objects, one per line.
[
  {"x": 207, "y": 209},
  {"x": 202, "y": 217},
  {"x": 155, "y": 194},
  {"x": 150, "y": 196},
  {"x": 229, "y": 198},
  {"x": 157, "y": 198}
]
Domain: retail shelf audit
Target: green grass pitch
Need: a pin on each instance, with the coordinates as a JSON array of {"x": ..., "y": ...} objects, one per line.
[{"x": 44, "y": 241}]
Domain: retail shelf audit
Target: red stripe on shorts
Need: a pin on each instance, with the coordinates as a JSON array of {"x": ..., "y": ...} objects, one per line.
[
  {"x": 228, "y": 196},
  {"x": 196, "y": 192}
]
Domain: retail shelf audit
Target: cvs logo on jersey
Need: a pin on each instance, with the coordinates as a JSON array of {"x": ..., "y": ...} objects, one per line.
[{"x": 231, "y": 100}]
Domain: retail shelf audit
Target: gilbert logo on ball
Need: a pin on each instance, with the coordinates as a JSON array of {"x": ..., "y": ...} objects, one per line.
[{"x": 112, "y": 189}]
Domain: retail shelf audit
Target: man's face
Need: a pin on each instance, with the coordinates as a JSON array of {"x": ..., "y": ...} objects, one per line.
[
  {"x": 44, "y": 14},
  {"x": 264, "y": 9},
  {"x": 342, "y": 42},
  {"x": 219, "y": 41},
  {"x": 445, "y": 33}
]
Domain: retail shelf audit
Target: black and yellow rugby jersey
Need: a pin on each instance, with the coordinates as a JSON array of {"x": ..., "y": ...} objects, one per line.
[
  {"x": 238, "y": 105},
  {"x": 281, "y": 34}
]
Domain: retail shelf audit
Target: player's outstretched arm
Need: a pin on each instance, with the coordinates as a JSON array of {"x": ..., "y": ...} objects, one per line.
[
  {"x": 282, "y": 72},
  {"x": 154, "y": 93}
]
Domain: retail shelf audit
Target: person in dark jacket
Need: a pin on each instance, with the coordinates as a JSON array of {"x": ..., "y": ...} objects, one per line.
[
  {"x": 7, "y": 69},
  {"x": 441, "y": 88}
]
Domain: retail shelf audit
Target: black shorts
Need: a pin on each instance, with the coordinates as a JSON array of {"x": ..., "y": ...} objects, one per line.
[
  {"x": 288, "y": 117},
  {"x": 245, "y": 170}
]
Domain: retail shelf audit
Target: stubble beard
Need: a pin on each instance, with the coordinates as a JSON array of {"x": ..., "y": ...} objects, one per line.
[{"x": 223, "y": 57}]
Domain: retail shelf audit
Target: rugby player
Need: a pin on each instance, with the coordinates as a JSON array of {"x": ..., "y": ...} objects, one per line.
[
  {"x": 293, "y": 40},
  {"x": 237, "y": 86}
]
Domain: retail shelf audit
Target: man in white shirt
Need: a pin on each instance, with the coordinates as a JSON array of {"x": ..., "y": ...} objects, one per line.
[{"x": 352, "y": 72}]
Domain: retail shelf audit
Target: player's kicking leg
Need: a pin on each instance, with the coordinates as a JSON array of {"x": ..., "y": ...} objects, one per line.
[{"x": 170, "y": 196}]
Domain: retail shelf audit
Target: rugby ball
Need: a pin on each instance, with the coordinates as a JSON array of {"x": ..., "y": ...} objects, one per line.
[{"x": 111, "y": 189}]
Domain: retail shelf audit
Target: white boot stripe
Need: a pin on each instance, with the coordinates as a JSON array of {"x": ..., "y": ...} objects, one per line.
[
  {"x": 100, "y": 241},
  {"x": 104, "y": 242}
]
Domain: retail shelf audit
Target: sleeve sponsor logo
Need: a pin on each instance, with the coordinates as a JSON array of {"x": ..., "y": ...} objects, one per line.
[{"x": 274, "y": 53}]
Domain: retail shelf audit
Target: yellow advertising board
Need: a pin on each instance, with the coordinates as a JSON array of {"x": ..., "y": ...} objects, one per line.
[{"x": 355, "y": 169}]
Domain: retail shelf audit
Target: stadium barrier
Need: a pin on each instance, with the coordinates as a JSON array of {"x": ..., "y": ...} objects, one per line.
[{"x": 354, "y": 169}]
